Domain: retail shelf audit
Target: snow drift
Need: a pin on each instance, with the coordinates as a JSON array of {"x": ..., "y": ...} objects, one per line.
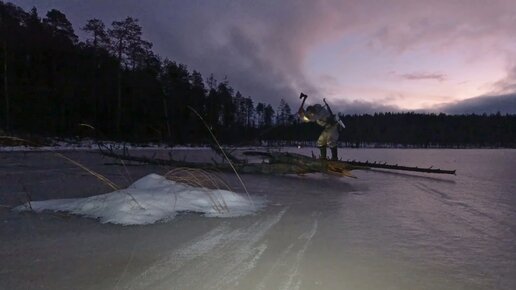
[{"x": 151, "y": 199}]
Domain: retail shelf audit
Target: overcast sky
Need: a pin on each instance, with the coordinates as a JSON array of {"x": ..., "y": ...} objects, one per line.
[{"x": 363, "y": 56}]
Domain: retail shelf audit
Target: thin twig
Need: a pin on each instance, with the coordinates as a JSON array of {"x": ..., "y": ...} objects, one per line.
[{"x": 220, "y": 147}]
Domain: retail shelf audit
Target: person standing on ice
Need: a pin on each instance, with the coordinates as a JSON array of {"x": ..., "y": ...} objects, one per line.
[{"x": 325, "y": 118}]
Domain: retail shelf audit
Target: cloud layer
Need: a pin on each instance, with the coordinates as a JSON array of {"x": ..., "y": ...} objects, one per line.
[
  {"x": 424, "y": 76},
  {"x": 344, "y": 50},
  {"x": 504, "y": 104}
]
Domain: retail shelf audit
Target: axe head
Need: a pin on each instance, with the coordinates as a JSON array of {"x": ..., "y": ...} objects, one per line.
[{"x": 301, "y": 96}]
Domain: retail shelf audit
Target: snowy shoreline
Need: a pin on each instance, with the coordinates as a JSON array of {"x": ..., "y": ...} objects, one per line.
[{"x": 144, "y": 147}]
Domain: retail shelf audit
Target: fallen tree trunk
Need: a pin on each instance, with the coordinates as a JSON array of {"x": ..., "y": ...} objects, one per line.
[
  {"x": 310, "y": 163},
  {"x": 272, "y": 163},
  {"x": 400, "y": 167},
  {"x": 282, "y": 163}
]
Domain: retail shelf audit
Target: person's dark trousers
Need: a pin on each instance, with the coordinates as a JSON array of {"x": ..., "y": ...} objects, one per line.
[
  {"x": 334, "y": 154},
  {"x": 323, "y": 152}
]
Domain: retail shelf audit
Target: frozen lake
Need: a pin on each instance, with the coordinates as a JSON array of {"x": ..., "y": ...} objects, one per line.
[{"x": 383, "y": 230}]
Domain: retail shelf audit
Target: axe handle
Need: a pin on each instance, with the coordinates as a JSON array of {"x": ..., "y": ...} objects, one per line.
[
  {"x": 302, "y": 103},
  {"x": 328, "y": 107}
]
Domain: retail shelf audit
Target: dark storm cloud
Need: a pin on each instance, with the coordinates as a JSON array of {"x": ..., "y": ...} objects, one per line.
[
  {"x": 505, "y": 104},
  {"x": 502, "y": 99},
  {"x": 258, "y": 46}
]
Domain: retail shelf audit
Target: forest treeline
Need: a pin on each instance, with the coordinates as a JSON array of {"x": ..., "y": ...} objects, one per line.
[
  {"x": 52, "y": 83},
  {"x": 413, "y": 130}
]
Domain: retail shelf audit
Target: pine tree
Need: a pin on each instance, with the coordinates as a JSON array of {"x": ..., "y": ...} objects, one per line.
[
  {"x": 128, "y": 47},
  {"x": 268, "y": 114},
  {"x": 284, "y": 114},
  {"x": 225, "y": 95},
  {"x": 61, "y": 27},
  {"x": 98, "y": 31},
  {"x": 260, "y": 109},
  {"x": 249, "y": 110}
]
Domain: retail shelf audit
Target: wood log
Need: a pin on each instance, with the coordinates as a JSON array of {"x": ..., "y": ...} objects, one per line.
[
  {"x": 258, "y": 168},
  {"x": 274, "y": 163},
  {"x": 400, "y": 167}
]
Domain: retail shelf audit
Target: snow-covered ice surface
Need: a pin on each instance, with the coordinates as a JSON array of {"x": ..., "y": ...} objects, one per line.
[
  {"x": 89, "y": 145},
  {"x": 151, "y": 199},
  {"x": 384, "y": 230}
]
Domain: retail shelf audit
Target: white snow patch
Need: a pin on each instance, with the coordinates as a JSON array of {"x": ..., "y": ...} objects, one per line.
[{"x": 151, "y": 199}]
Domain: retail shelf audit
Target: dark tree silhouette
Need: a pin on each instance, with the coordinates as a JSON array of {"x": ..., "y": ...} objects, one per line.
[
  {"x": 284, "y": 115},
  {"x": 129, "y": 49},
  {"x": 97, "y": 30},
  {"x": 268, "y": 115},
  {"x": 60, "y": 26}
]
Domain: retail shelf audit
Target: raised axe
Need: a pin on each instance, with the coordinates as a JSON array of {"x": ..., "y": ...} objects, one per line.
[{"x": 302, "y": 96}]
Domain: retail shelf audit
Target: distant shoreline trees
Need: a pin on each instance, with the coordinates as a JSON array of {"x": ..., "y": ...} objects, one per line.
[{"x": 52, "y": 82}]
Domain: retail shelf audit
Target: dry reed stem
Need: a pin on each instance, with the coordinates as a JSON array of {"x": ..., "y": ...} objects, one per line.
[
  {"x": 99, "y": 176},
  {"x": 192, "y": 182},
  {"x": 28, "y": 197},
  {"x": 214, "y": 202},
  {"x": 223, "y": 152},
  {"x": 222, "y": 202},
  {"x": 211, "y": 178},
  {"x": 128, "y": 177},
  {"x": 214, "y": 180},
  {"x": 201, "y": 179}
]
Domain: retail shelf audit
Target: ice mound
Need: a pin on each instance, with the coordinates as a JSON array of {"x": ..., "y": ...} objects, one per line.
[{"x": 151, "y": 199}]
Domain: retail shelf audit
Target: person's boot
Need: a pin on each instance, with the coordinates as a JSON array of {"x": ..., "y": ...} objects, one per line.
[
  {"x": 334, "y": 154},
  {"x": 323, "y": 152}
]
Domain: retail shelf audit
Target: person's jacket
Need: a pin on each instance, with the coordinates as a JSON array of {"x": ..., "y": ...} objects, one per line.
[{"x": 321, "y": 116}]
